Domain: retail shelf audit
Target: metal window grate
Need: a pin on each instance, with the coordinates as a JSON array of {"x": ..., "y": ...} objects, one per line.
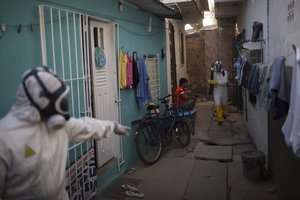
[
  {"x": 154, "y": 76},
  {"x": 64, "y": 43}
]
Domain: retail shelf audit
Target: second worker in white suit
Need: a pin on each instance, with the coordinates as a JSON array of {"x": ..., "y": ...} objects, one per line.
[{"x": 220, "y": 80}]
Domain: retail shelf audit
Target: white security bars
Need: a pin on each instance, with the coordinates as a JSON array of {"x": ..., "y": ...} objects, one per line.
[
  {"x": 64, "y": 43},
  {"x": 154, "y": 75}
]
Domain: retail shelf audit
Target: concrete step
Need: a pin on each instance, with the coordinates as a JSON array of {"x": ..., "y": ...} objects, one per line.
[{"x": 212, "y": 152}]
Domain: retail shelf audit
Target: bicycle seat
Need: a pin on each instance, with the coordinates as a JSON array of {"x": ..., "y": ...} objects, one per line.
[{"x": 152, "y": 107}]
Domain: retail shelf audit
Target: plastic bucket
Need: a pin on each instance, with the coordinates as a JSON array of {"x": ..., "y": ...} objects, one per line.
[{"x": 253, "y": 164}]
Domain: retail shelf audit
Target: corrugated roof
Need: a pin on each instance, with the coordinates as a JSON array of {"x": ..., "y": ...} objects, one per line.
[
  {"x": 192, "y": 11},
  {"x": 156, "y": 7}
]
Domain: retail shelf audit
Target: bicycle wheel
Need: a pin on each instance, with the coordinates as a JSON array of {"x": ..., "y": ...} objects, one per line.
[
  {"x": 183, "y": 132},
  {"x": 149, "y": 143}
]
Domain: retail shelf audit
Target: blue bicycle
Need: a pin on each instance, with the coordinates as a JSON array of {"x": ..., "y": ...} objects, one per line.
[{"x": 155, "y": 129}]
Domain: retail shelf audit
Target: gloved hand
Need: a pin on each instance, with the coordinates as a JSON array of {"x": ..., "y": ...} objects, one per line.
[
  {"x": 121, "y": 130},
  {"x": 213, "y": 81}
]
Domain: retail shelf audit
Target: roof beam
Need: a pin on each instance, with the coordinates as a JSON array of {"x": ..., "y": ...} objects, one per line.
[
  {"x": 155, "y": 7},
  {"x": 227, "y": 11}
]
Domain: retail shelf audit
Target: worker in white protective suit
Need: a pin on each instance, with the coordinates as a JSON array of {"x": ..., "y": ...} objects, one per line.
[
  {"x": 220, "y": 80},
  {"x": 34, "y": 138}
]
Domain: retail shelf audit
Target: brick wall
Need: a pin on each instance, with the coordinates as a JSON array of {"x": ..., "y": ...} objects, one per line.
[
  {"x": 195, "y": 55},
  {"x": 203, "y": 50}
]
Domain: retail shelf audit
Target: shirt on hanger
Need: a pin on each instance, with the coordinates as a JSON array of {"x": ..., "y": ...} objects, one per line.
[
  {"x": 291, "y": 126},
  {"x": 122, "y": 69}
]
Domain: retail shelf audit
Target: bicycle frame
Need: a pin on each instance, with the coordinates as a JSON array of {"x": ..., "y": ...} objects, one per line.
[{"x": 153, "y": 131}]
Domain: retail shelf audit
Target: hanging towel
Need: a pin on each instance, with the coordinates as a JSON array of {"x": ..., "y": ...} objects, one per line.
[
  {"x": 291, "y": 126},
  {"x": 278, "y": 90},
  {"x": 135, "y": 71},
  {"x": 129, "y": 72},
  {"x": 263, "y": 69},
  {"x": 122, "y": 69},
  {"x": 264, "y": 100},
  {"x": 143, "y": 89},
  {"x": 250, "y": 77},
  {"x": 245, "y": 74},
  {"x": 254, "y": 87}
]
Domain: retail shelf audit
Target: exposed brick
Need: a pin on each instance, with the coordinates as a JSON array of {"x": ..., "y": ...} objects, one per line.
[{"x": 203, "y": 51}]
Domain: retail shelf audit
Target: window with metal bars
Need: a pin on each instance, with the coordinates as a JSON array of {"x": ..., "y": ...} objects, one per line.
[{"x": 154, "y": 75}]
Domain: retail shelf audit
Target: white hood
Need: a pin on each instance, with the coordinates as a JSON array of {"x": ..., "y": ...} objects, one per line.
[{"x": 22, "y": 108}]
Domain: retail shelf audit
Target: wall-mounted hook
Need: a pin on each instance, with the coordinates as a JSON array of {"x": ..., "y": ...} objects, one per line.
[
  {"x": 294, "y": 47},
  {"x": 120, "y": 6},
  {"x": 31, "y": 27},
  {"x": 2, "y": 30},
  {"x": 19, "y": 28}
]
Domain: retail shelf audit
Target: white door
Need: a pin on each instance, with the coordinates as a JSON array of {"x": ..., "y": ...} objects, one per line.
[{"x": 104, "y": 85}]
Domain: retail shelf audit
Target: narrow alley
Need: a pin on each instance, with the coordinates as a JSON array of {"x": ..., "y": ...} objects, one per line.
[
  {"x": 199, "y": 171},
  {"x": 111, "y": 60}
]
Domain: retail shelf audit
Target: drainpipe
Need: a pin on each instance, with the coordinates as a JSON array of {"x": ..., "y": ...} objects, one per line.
[
  {"x": 42, "y": 34},
  {"x": 121, "y": 160},
  {"x": 268, "y": 31}
]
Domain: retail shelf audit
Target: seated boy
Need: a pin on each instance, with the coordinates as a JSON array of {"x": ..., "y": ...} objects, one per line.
[{"x": 185, "y": 98}]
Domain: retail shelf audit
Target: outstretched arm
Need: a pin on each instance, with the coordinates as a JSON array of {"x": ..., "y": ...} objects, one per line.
[{"x": 90, "y": 128}]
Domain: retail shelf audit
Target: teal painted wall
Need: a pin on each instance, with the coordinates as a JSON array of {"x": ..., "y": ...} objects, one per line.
[{"x": 20, "y": 51}]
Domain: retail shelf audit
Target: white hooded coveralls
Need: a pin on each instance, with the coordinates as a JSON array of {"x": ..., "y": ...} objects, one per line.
[
  {"x": 220, "y": 89},
  {"x": 41, "y": 174}
]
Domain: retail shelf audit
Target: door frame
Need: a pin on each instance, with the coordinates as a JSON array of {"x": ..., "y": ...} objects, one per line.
[
  {"x": 172, "y": 58},
  {"x": 116, "y": 141}
]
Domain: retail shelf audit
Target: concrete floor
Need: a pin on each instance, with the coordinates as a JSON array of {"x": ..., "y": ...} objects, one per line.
[{"x": 199, "y": 171}]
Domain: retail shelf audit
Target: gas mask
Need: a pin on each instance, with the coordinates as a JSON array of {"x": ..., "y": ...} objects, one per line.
[
  {"x": 47, "y": 93},
  {"x": 218, "y": 66}
]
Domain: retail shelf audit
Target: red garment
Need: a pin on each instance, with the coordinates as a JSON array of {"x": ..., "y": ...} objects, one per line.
[{"x": 179, "y": 92}]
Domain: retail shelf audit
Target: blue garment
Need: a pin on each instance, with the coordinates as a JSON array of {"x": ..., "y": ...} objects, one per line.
[
  {"x": 239, "y": 66},
  {"x": 263, "y": 73},
  {"x": 291, "y": 127},
  {"x": 250, "y": 78},
  {"x": 278, "y": 89},
  {"x": 245, "y": 74},
  {"x": 254, "y": 87},
  {"x": 264, "y": 99},
  {"x": 143, "y": 89}
]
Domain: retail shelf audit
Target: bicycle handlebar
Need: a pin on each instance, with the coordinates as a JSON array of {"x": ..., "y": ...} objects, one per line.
[{"x": 164, "y": 98}]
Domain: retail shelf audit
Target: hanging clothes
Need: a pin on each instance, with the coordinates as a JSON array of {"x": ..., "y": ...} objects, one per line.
[
  {"x": 122, "y": 69},
  {"x": 143, "y": 89},
  {"x": 129, "y": 77},
  {"x": 239, "y": 64},
  {"x": 263, "y": 97},
  {"x": 278, "y": 91},
  {"x": 245, "y": 74},
  {"x": 254, "y": 86},
  {"x": 263, "y": 71},
  {"x": 135, "y": 71},
  {"x": 291, "y": 126},
  {"x": 251, "y": 76}
]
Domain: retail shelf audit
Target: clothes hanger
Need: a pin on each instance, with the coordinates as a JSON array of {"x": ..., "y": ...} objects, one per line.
[{"x": 294, "y": 47}]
